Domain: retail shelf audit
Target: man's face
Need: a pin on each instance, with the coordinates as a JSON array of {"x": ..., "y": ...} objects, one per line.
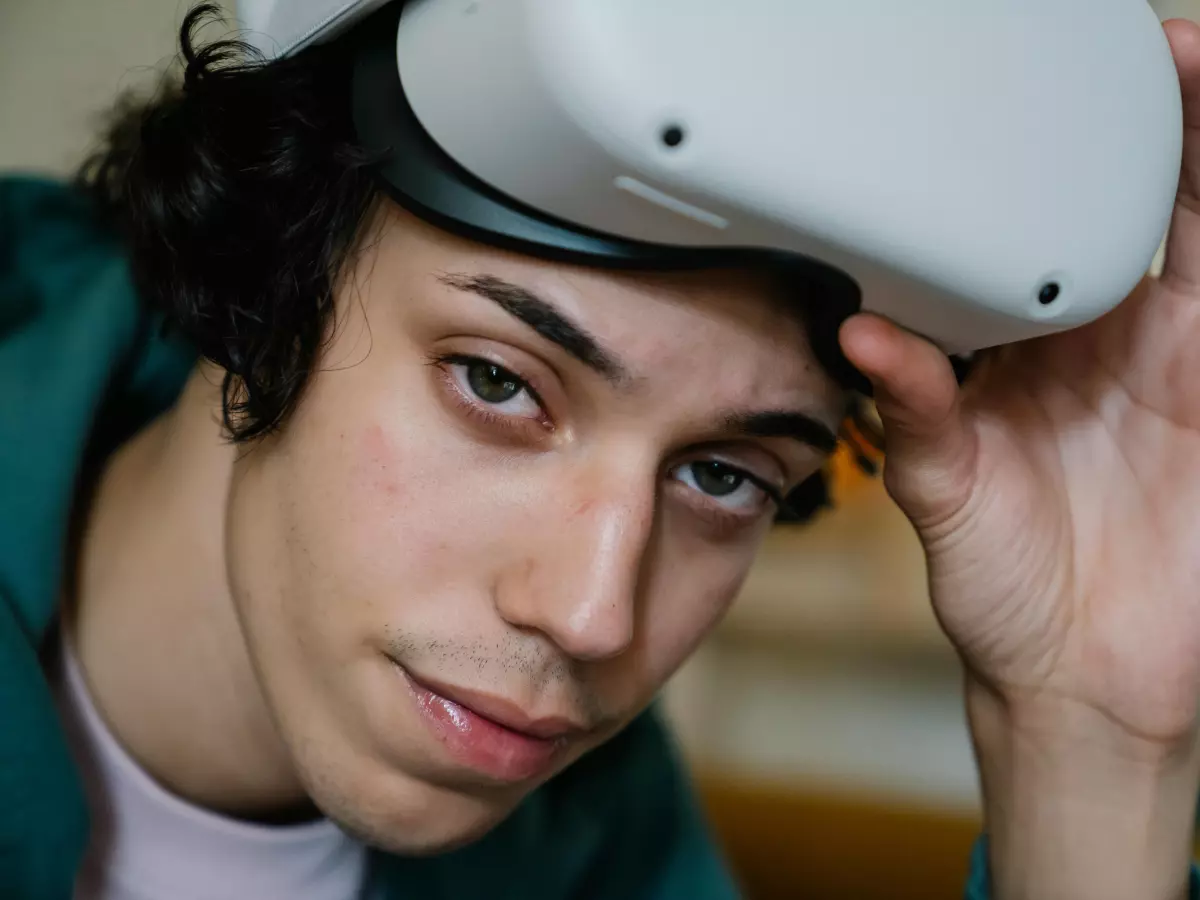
[{"x": 513, "y": 499}]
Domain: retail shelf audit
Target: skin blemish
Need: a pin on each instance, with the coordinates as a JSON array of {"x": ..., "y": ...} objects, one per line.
[
  {"x": 379, "y": 456},
  {"x": 377, "y": 446}
]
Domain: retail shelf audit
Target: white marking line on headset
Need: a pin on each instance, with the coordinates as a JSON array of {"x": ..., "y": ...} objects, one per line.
[{"x": 666, "y": 201}]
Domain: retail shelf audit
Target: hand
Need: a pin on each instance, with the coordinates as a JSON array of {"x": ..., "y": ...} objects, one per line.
[{"x": 1057, "y": 495}]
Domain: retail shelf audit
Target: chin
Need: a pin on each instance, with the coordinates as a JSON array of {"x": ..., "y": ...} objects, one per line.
[
  {"x": 436, "y": 841},
  {"x": 415, "y": 820}
]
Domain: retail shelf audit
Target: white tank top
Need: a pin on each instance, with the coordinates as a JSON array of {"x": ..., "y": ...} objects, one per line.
[{"x": 148, "y": 844}]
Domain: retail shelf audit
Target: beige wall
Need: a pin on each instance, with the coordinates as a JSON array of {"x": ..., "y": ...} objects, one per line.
[
  {"x": 1168, "y": 9},
  {"x": 63, "y": 61}
]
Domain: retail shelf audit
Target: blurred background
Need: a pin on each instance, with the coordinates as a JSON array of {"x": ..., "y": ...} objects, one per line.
[{"x": 823, "y": 719}]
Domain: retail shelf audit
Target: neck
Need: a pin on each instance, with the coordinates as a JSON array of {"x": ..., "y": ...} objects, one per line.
[{"x": 154, "y": 625}]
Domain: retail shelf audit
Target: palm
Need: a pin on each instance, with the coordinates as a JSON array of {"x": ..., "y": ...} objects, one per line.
[{"x": 1070, "y": 560}]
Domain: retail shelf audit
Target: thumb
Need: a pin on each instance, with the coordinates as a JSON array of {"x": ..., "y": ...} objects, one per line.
[{"x": 929, "y": 450}]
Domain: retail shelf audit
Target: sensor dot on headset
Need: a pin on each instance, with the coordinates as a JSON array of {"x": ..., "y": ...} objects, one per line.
[{"x": 673, "y": 135}]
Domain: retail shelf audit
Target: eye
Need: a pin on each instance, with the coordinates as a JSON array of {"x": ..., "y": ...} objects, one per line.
[
  {"x": 497, "y": 388},
  {"x": 716, "y": 479},
  {"x": 730, "y": 487},
  {"x": 492, "y": 384}
]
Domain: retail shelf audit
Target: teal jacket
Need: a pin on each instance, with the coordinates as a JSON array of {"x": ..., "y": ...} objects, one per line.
[{"x": 82, "y": 366}]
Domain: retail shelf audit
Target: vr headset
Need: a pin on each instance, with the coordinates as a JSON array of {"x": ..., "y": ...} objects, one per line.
[{"x": 979, "y": 171}]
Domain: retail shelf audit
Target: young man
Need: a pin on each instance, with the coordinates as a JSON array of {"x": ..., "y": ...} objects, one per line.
[{"x": 479, "y": 506}]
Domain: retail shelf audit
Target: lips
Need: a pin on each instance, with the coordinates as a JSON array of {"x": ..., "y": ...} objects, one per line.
[{"x": 488, "y": 734}]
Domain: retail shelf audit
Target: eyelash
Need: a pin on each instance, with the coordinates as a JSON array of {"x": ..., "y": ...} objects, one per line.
[
  {"x": 773, "y": 493},
  {"x": 478, "y": 410}
]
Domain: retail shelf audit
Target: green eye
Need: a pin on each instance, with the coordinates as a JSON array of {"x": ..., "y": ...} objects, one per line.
[
  {"x": 716, "y": 479},
  {"x": 492, "y": 384}
]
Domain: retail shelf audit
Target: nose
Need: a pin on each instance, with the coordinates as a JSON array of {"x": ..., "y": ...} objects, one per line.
[{"x": 577, "y": 581}]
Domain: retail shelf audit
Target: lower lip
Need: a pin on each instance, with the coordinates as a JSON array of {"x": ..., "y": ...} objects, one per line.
[{"x": 481, "y": 744}]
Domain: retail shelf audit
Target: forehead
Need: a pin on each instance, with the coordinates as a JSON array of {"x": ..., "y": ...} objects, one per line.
[
  {"x": 737, "y": 329},
  {"x": 728, "y": 331}
]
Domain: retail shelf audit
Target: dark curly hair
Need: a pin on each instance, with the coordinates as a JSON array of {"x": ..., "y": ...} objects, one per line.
[{"x": 241, "y": 193}]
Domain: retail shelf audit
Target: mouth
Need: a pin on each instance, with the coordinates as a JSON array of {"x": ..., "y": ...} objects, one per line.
[{"x": 489, "y": 734}]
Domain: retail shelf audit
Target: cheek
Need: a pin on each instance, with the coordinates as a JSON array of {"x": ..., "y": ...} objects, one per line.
[
  {"x": 388, "y": 487},
  {"x": 395, "y": 517},
  {"x": 688, "y": 593},
  {"x": 335, "y": 525},
  {"x": 379, "y": 517}
]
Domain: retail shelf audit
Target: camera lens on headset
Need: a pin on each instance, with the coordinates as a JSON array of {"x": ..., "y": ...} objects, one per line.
[{"x": 1049, "y": 293}]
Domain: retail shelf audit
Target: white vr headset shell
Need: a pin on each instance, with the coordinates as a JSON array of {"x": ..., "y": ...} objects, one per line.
[{"x": 984, "y": 170}]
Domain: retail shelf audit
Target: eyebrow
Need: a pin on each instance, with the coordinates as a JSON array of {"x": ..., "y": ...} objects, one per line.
[
  {"x": 797, "y": 425},
  {"x": 540, "y": 315}
]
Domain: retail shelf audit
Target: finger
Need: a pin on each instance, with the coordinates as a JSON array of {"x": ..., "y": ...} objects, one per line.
[
  {"x": 1182, "y": 263},
  {"x": 927, "y": 445}
]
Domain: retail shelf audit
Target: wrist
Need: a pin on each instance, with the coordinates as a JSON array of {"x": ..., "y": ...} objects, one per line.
[
  {"x": 1052, "y": 724},
  {"x": 1077, "y": 806}
]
